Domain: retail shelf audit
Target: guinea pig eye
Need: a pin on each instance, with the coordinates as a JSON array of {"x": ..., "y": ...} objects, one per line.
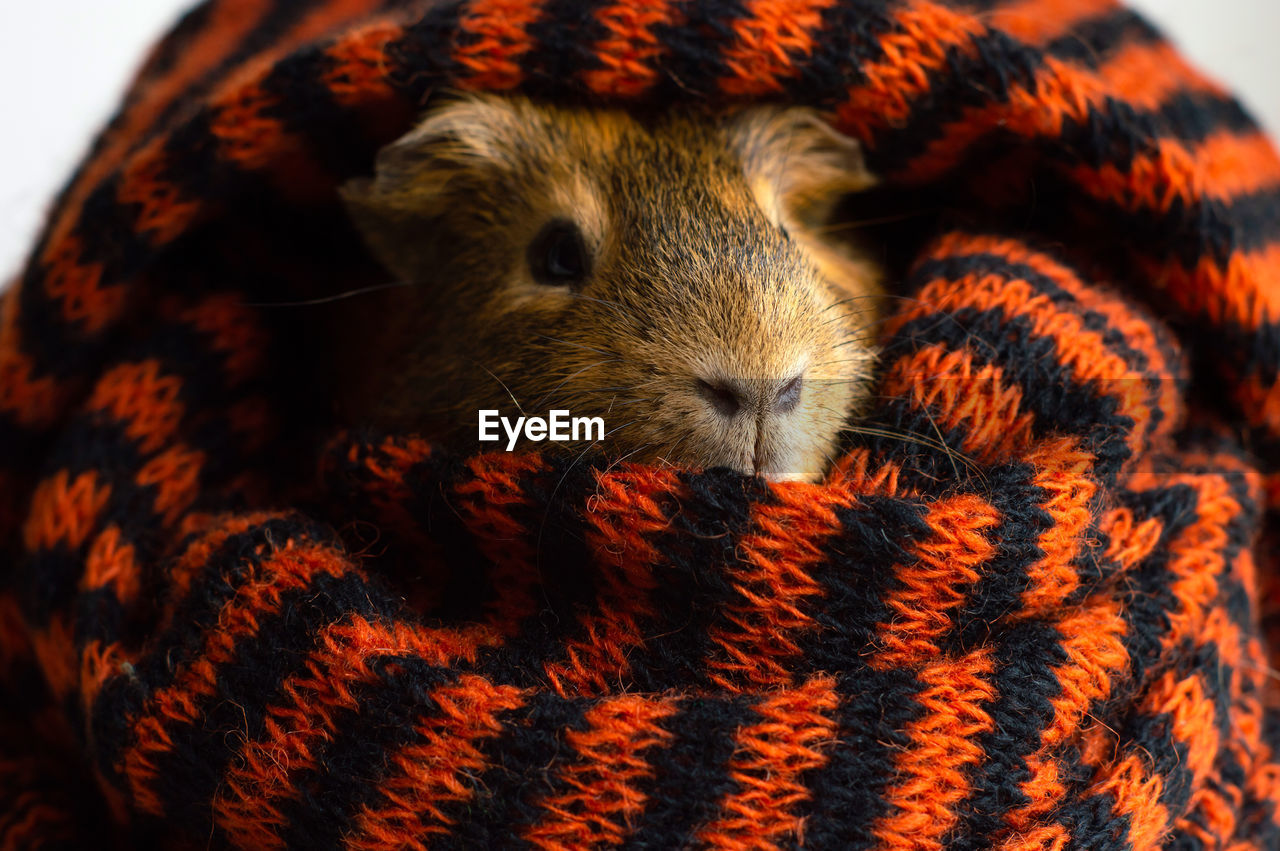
[{"x": 558, "y": 255}]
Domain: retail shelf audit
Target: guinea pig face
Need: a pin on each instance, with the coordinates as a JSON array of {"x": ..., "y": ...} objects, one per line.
[{"x": 664, "y": 274}]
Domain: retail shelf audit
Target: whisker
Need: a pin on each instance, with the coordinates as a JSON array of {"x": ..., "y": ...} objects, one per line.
[
  {"x": 672, "y": 451},
  {"x": 862, "y": 223},
  {"x": 863, "y": 297},
  {"x": 569, "y": 378},
  {"x": 918, "y": 440},
  {"x": 862, "y": 360},
  {"x": 855, "y": 341},
  {"x": 574, "y": 345},
  {"x": 840, "y": 316},
  {"x": 634, "y": 401},
  {"x": 617, "y": 306},
  {"x": 941, "y": 440},
  {"x": 328, "y": 299},
  {"x": 617, "y": 429},
  {"x": 943, "y": 317},
  {"x": 504, "y": 387},
  {"x": 551, "y": 499},
  {"x": 620, "y": 388},
  {"x": 613, "y": 465}
]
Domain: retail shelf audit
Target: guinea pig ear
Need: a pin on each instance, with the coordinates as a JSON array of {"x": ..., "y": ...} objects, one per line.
[
  {"x": 797, "y": 165},
  {"x": 418, "y": 177}
]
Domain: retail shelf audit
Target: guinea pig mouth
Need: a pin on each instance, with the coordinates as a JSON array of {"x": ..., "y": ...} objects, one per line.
[
  {"x": 777, "y": 465},
  {"x": 778, "y": 454}
]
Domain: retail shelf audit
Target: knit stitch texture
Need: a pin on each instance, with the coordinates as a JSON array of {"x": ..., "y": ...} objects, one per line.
[{"x": 1036, "y": 624}]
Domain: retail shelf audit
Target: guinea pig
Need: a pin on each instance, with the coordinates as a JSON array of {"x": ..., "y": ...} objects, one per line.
[{"x": 667, "y": 273}]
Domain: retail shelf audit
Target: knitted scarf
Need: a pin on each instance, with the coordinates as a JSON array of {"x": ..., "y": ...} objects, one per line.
[{"x": 1024, "y": 611}]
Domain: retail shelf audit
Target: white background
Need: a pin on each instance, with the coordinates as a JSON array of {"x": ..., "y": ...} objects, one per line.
[{"x": 64, "y": 63}]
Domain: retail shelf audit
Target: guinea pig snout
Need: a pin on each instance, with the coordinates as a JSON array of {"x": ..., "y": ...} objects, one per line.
[
  {"x": 752, "y": 418},
  {"x": 754, "y": 397}
]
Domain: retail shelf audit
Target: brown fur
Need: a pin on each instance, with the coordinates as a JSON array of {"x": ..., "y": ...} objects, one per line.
[{"x": 704, "y": 266}]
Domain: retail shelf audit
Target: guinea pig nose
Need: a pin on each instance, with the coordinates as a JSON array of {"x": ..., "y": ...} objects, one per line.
[
  {"x": 724, "y": 397},
  {"x": 788, "y": 394}
]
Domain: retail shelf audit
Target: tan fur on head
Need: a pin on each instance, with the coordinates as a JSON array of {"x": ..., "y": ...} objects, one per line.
[{"x": 709, "y": 322}]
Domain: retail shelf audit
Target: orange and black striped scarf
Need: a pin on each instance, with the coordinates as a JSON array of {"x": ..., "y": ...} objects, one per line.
[{"x": 1035, "y": 625}]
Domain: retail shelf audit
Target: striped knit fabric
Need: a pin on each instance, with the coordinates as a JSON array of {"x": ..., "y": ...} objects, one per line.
[{"x": 1038, "y": 623}]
